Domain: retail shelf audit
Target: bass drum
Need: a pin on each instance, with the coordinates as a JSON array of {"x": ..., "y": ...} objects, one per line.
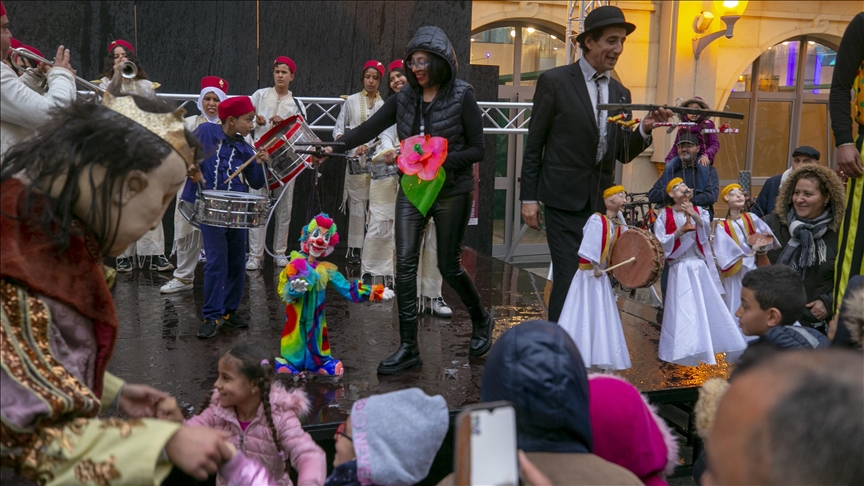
[{"x": 649, "y": 254}]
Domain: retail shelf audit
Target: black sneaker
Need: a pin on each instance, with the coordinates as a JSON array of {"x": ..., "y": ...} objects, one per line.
[
  {"x": 354, "y": 256},
  {"x": 160, "y": 263},
  {"x": 208, "y": 329},
  {"x": 124, "y": 265},
  {"x": 235, "y": 321}
]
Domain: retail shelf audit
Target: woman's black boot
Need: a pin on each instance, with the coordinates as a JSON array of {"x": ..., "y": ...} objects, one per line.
[
  {"x": 408, "y": 354},
  {"x": 481, "y": 336}
]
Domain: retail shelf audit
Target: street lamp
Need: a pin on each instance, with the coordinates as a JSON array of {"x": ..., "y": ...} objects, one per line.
[{"x": 730, "y": 11}]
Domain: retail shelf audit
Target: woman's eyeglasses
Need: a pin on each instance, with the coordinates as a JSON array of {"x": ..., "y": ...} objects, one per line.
[
  {"x": 417, "y": 64},
  {"x": 341, "y": 431}
]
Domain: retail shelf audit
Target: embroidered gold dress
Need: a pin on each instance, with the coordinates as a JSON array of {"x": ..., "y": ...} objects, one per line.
[{"x": 57, "y": 335}]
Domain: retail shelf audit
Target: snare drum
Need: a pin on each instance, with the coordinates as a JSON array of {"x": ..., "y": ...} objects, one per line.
[
  {"x": 383, "y": 171},
  {"x": 357, "y": 165},
  {"x": 379, "y": 169},
  {"x": 281, "y": 142},
  {"x": 187, "y": 210},
  {"x": 230, "y": 209}
]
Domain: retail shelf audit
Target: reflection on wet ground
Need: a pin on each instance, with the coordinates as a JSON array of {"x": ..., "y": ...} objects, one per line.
[{"x": 157, "y": 343}]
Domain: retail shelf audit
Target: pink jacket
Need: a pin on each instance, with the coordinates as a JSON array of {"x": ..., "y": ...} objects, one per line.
[{"x": 256, "y": 441}]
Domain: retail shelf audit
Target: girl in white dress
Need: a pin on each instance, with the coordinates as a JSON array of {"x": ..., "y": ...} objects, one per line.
[
  {"x": 590, "y": 315},
  {"x": 696, "y": 322},
  {"x": 734, "y": 254}
]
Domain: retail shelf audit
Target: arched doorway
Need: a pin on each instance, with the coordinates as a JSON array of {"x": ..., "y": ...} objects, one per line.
[
  {"x": 522, "y": 51},
  {"x": 784, "y": 94}
]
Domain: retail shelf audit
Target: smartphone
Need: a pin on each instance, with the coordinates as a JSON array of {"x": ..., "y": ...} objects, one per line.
[{"x": 486, "y": 445}]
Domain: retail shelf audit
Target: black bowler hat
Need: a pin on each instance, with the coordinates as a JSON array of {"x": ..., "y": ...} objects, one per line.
[
  {"x": 688, "y": 137},
  {"x": 605, "y": 16},
  {"x": 806, "y": 151}
]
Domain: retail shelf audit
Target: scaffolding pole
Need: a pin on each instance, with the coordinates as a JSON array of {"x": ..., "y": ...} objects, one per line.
[{"x": 577, "y": 10}]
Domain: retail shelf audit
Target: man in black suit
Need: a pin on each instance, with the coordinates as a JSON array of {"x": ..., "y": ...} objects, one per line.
[{"x": 571, "y": 149}]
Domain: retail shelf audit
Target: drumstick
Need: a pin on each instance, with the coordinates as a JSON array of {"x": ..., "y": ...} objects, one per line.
[
  {"x": 240, "y": 169},
  {"x": 625, "y": 262}
]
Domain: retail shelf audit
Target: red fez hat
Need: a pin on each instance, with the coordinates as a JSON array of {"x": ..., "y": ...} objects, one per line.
[
  {"x": 121, "y": 43},
  {"x": 374, "y": 64},
  {"x": 236, "y": 107},
  {"x": 2, "y": 9},
  {"x": 34, "y": 51},
  {"x": 397, "y": 64},
  {"x": 214, "y": 82},
  {"x": 288, "y": 62},
  {"x": 15, "y": 43}
]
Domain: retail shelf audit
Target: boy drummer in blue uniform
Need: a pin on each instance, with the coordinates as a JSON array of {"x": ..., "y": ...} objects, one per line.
[{"x": 226, "y": 247}]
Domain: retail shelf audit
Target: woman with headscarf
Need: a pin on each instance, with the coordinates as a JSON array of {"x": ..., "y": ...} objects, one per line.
[
  {"x": 187, "y": 238},
  {"x": 806, "y": 217}
]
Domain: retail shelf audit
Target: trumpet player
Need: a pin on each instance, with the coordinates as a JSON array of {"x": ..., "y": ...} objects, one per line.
[
  {"x": 120, "y": 51},
  {"x": 22, "y": 110}
]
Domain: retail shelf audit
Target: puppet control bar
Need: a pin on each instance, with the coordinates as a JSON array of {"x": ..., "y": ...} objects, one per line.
[{"x": 675, "y": 109}]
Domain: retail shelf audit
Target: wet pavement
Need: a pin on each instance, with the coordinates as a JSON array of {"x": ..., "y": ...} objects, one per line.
[{"x": 157, "y": 344}]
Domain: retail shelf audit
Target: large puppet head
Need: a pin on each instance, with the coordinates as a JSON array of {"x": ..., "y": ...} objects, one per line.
[
  {"x": 319, "y": 236},
  {"x": 734, "y": 196},
  {"x": 614, "y": 197}
]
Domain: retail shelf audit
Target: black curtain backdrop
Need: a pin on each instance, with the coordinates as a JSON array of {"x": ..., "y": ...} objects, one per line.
[{"x": 179, "y": 42}]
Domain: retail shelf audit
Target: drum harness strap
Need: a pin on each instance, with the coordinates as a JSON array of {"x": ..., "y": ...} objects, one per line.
[
  {"x": 611, "y": 232},
  {"x": 729, "y": 226}
]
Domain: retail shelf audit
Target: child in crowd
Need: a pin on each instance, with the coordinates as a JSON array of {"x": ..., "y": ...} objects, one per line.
[
  {"x": 225, "y": 247},
  {"x": 390, "y": 439},
  {"x": 696, "y": 323},
  {"x": 273, "y": 106},
  {"x": 304, "y": 345},
  {"x": 709, "y": 143},
  {"x": 628, "y": 431},
  {"x": 590, "y": 315},
  {"x": 262, "y": 418},
  {"x": 772, "y": 301},
  {"x": 734, "y": 254}
]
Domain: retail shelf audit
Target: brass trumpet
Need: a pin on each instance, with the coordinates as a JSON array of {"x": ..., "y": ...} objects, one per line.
[{"x": 127, "y": 69}]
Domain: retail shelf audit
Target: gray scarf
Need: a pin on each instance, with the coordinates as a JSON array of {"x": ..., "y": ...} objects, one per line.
[{"x": 801, "y": 251}]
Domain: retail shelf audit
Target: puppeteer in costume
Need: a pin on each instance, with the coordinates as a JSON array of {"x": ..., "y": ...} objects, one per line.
[
  {"x": 735, "y": 255},
  {"x": 305, "y": 346},
  {"x": 590, "y": 315},
  {"x": 696, "y": 323}
]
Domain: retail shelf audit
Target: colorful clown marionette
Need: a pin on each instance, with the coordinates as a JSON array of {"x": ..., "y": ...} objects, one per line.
[{"x": 305, "y": 347}]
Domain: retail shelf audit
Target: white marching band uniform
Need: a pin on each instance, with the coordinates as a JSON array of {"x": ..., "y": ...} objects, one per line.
[
  {"x": 355, "y": 111},
  {"x": 23, "y": 110},
  {"x": 379, "y": 246},
  {"x": 153, "y": 242},
  {"x": 733, "y": 254},
  {"x": 267, "y": 105},
  {"x": 590, "y": 315},
  {"x": 696, "y": 322}
]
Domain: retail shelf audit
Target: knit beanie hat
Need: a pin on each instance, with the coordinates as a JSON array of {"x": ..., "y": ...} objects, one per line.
[{"x": 397, "y": 435}]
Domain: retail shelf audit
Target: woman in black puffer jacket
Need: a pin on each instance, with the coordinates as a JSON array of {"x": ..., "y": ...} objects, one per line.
[{"x": 448, "y": 109}]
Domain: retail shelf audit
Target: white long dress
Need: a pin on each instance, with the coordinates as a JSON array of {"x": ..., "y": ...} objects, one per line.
[
  {"x": 733, "y": 255},
  {"x": 267, "y": 104},
  {"x": 355, "y": 111},
  {"x": 590, "y": 315},
  {"x": 696, "y": 322}
]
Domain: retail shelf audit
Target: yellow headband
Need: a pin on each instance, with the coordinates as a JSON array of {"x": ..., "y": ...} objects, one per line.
[
  {"x": 731, "y": 187},
  {"x": 612, "y": 191},
  {"x": 674, "y": 182}
]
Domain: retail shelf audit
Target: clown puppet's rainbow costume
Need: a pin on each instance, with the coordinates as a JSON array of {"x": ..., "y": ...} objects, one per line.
[{"x": 302, "y": 285}]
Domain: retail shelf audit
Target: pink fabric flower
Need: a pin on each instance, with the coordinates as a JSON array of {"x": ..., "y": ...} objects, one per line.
[{"x": 422, "y": 155}]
